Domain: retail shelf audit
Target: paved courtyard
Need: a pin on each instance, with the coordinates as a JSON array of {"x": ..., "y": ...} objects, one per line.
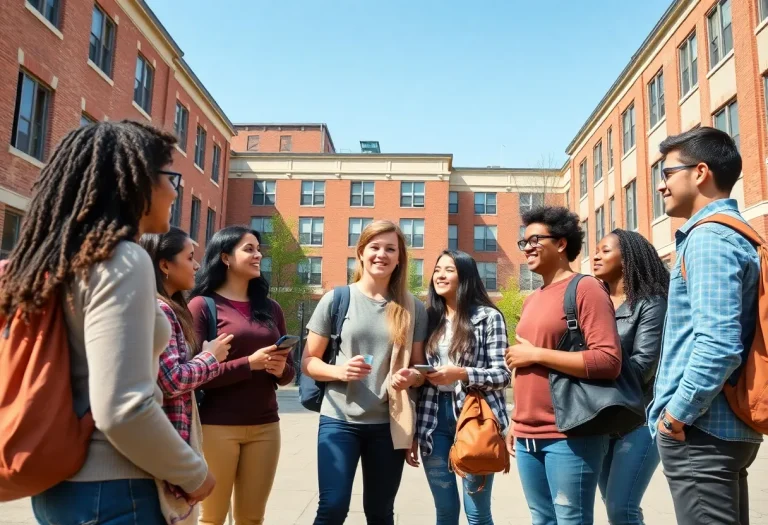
[{"x": 294, "y": 497}]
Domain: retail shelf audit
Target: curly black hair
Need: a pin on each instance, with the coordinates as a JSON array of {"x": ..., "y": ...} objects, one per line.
[
  {"x": 645, "y": 274},
  {"x": 562, "y": 223},
  {"x": 89, "y": 197}
]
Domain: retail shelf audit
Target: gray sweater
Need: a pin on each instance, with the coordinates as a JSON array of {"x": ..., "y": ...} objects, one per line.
[{"x": 116, "y": 333}]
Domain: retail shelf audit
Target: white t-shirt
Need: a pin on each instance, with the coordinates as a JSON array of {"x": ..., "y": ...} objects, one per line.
[{"x": 443, "y": 350}]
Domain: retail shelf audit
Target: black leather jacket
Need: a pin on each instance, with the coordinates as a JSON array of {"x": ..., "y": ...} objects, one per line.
[{"x": 640, "y": 330}]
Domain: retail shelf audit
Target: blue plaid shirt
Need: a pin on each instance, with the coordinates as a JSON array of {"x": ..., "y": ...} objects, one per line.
[{"x": 709, "y": 326}]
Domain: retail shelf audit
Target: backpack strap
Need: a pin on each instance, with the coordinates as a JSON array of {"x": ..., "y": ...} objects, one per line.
[
  {"x": 740, "y": 227},
  {"x": 212, "y": 318},
  {"x": 572, "y": 315},
  {"x": 339, "y": 310}
]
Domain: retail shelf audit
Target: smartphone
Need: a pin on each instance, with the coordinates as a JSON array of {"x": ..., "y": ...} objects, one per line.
[
  {"x": 425, "y": 369},
  {"x": 287, "y": 341}
]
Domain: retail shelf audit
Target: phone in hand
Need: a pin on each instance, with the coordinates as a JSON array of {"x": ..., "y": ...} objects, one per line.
[
  {"x": 287, "y": 341},
  {"x": 425, "y": 369}
]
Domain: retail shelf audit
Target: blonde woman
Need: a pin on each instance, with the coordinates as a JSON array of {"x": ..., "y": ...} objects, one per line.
[{"x": 366, "y": 413}]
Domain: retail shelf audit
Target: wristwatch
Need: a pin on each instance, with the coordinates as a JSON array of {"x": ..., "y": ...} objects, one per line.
[{"x": 666, "y": 422}]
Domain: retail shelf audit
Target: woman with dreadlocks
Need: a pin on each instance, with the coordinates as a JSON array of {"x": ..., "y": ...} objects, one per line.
[
  {"x": 105, "y": 185},
  {"x": 638, "y": 282}
]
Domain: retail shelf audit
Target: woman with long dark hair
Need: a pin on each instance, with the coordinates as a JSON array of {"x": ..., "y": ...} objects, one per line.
[
  {"x": 104, "y": 186},
  {"x": 241, "y": 429},
  {"x": 466, "y": 345},
  {"x": 638, "y": 283}
]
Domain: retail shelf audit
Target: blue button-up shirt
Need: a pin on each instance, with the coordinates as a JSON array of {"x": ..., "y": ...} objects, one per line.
[{"x": 709, "y": 326}]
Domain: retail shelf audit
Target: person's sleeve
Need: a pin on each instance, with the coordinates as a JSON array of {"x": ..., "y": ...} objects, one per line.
[
  {"x": 420, "y": 326},
  {"x": 119, "y": 330},
  {"x": 646, "y": 347},
  {"x": 289, "y": 371},
  {"x": 497, "y": 376},
  {"x": 320, "y": 322},
  {"x": 597, "y": 319},
  {"x": 715, "y": 273}
]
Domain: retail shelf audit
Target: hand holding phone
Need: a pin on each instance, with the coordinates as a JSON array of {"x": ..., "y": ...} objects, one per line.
[
  {"x": 287, "y": 342},
  {"x": 425, "y": 369}
]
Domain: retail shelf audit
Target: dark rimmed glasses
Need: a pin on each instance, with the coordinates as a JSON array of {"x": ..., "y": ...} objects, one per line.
[
  {"x": 175, "y": 177},
  {"x": 533, "y": 240},
  {"x": 666, "y": 173}
]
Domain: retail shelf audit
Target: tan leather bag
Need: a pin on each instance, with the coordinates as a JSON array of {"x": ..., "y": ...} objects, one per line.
[{"x": 479, "y": 447}]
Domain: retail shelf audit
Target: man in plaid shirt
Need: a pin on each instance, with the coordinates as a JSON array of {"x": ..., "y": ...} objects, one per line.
[{"x": 705, "y": 449}]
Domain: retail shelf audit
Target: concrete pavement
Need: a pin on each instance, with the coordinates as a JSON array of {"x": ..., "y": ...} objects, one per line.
[{"x": 294, "y": 496}]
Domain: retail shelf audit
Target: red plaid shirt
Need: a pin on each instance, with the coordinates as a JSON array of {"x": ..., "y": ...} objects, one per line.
[{"x": 180, "y": 374}]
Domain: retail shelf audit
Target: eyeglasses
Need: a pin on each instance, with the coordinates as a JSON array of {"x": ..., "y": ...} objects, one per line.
[
  {"x": 533, "y": 240},
  {"x": 666, "y": 173},
  {"x": 175, "y": 177}
]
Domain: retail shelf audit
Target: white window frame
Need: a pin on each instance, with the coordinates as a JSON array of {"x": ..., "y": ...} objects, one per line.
[
  {"x": 363, "y": 192},
  {"x": 583, "y": 178},
  {"x": 731, "y": 114},
  {"x": 688, "y": 55},
  {"x": 656, "y": 108},
  {"x": 530, "y": 200},
  {"x": 38, "y": 119},
  {"x": 181, "y": 125},
  {"x": 719, "y": 49},
  {"x": 265, "y": 191},
  {"x": 489, "y": 234},
  {"x": 597, "y": 162},
  {"x": 264, "y": 225},
  {"x": 529, "y": 281},
  {"x": 410, "y": 228},
  {"x": 453, "y": 235},
  {"x": 359, "y": 224},
  {"x": 143, "y": 83},
  {"x": 416, "y": 194},
  {"x": 451, "y": 204},
  {"x": 484, "y": 207},
  {"x": 628, "y": 129},
  {"x": 630, "y": 213},
  {"x": 314, "y": 223},
  {"x": 658, "y": 199},
  {"x": 599, "y": 224},
  {"x": 609, "y": 141},
  {"x": 306, "y": 271},
  {"x": 484, "y": 268},
  {"x": 315, "y": 189},
  {"x": 201, "y": 138}
]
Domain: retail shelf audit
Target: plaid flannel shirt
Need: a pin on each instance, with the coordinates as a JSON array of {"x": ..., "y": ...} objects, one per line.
[
  {"x": 180, "y": 374},
  {"x": 486, "y": 370}
]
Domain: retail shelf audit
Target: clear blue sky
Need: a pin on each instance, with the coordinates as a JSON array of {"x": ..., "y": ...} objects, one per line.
[{"x": 420, "y": 76}]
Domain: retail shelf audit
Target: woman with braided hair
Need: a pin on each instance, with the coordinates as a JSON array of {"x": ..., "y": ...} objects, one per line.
[
  {"x": 638, "y": 282},
  {"x": 104, "y": 186}
]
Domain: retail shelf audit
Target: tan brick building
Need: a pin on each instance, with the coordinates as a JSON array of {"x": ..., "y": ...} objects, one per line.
[
  {"x": 705, "y": 63},
  {"x": 68, "y": 62}
]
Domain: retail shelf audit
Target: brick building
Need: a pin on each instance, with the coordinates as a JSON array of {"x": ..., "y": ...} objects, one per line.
[
  {"x": 70, "y": 62},
  {"x": 705, "y": 63},
  {"x": 283, "y": 138}
]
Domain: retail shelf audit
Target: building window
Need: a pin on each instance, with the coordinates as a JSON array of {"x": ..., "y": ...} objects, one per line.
[
  {"x": 176, "y": 208},
  {"x": 727, "y": 119},
  {"x": 200, "y": 147},
  {"x": 216, "y": 164},
  {"x": 413, "y": 229},
  {"x": 263, "y": 225},
  {"x": 583, "y": 178},
  {"x": 286, "y": 143},
  {"x": 30, "y": 119},
  {"x": 453, "y": 237},
  {"x": 609, "y": 140},
  {"x": 485, "y": 204},
  {"x": 194, "y": 223},
  {"x": 210, "y": 225},
  {"x": 356, "y": 227},
  {"x": 689, "y": 61},
  {"x": 266, "y": 268},
  {"x": 48, "y": 8},
  {"x": 86, "y": 120},
  {"x": 411, "y": 194},
  {"x": 630, "y": 194},
  {"x": 453, "y": 202},
  {"x": 597, "y": 162},
  {"x": 418, "y": 272},
  {"x": 485, "y": 239},
  {"x": 656, "y": 98},
  {"x": 311, "y": 271},
  {"x": 102, "y": 44},
  {"x": 313, "y": 193},
  {"x": 628, "y": 128},
  {"x": 253, "y": 143},
  {"x": 263, "y": 193},
  {"x": 585, "y": 245},
  {"x": 720, "y": 32},
  {"x": 11, "y": 231},
  {"x": 763, "y": 9},
  {"x": 487, "y": 272},
  {"x": 311, "y": 231},
  {"x": 142, "y": 84},
  {"x": 599, "y": 224},
  {"x": 658, "y": 200},
  {"x": 612, "y": 213},
  {"x": 351, "y": 268},
  {"x": 181, "y": 125},
  {"x": 361, "y": 194},
  {"x": 529, "y": 280},
  {"x": 529, "y": 201}
]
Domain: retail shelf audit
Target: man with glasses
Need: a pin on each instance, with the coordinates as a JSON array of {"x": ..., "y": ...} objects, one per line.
[{"x": 705, "y": 448}]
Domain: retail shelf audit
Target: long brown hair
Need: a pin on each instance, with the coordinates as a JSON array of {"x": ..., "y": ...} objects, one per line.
[
  {"x": 166, "y": 247},
  {"x": 398, "y": 318}
]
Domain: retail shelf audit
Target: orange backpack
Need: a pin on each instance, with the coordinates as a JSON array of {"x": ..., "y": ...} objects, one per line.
[
  {"x": 748, "y": 398},
  {"x": 479, "y": 447},
  {"x": 42, "y": 441}
]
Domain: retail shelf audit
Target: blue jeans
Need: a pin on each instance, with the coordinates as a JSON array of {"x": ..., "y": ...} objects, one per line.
[
  {"x": 118, "y": 502},
  {"x": 559, "y": 478},
  {"x": 627, "y": 470},
  {"x": 340, "y": 446},
  {"x": 442, "y": 482}
]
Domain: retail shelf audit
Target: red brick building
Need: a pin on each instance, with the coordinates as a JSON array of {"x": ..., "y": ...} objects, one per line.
[
  {"x": 705, "y": 63},
  {"x": 69, "y": 62},
  {"x": 283, "y": 138}
]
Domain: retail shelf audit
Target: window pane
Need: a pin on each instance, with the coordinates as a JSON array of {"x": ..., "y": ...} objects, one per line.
[
  {"x": 11, "y": 230},
  {"x": 733, "y": 111}
]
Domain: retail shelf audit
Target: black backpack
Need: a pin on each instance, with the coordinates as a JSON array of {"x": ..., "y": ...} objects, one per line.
[
  {"x": 311, "y": 392},
  {"x": 212, "y": 334}
]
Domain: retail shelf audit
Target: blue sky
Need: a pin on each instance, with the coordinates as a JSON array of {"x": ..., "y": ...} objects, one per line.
[{"x": 494, "y": 82}]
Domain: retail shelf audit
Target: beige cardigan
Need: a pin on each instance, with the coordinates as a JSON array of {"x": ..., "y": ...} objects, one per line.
[{"x": 402, "y": 406}]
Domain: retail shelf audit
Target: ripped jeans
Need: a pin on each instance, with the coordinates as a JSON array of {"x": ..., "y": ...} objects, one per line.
[
  {"x": 442, "y": 482},
  {"x": 559, "y": 477}
]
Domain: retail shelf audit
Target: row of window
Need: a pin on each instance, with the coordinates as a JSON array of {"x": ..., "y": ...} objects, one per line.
[
  {"x": 630, "y": 216},
  {"x": 286, "y": 143},
  {"x": 194, "y": 220},
  {"x": 181, "y": 129}
]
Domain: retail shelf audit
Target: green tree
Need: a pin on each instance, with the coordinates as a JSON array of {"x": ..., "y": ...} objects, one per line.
[
  {"x": 415, "y": 281},
  {"x": 286, "y": 286},
  {"x": 511, "y": 306}
]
